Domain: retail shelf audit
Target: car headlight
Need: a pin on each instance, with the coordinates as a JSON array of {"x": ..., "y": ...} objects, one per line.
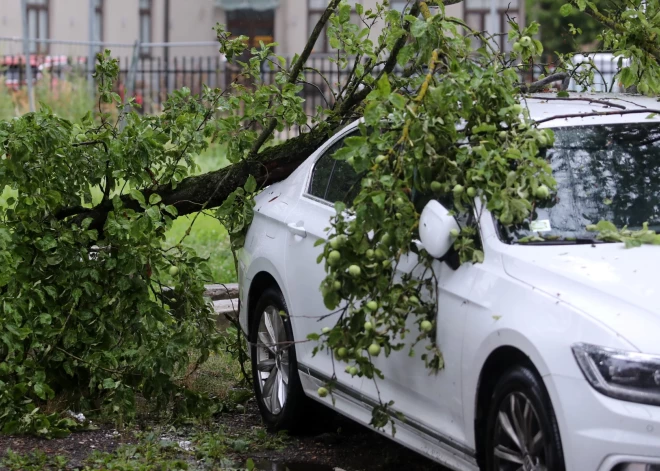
[{"x": 628, "y": 376}]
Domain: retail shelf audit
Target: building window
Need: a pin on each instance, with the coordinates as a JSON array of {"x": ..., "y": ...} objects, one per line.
[
  {"x": 257, "y": 25},
  {"x": 145, "y": 24},
  {"x": 98, "y": 22},
  {"x": 315, "y": 9},
  {"x": 37, "y": 13},
  {"x": 477, "y": 17}
]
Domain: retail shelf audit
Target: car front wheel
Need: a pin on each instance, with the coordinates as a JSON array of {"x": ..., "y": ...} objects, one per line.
[
  {"x": 275, "y": 377},
  {"x": 522, "y": 432}
]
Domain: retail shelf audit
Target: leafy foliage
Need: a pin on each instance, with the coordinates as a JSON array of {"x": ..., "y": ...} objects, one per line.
[
  {"x": 85, "y": 312},
  {"x": 458, "y": 136},
  {"x": 85, "y": 309}
]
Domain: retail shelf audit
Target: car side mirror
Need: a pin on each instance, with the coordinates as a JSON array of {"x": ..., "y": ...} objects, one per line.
[{"x": 435, "y": 228}]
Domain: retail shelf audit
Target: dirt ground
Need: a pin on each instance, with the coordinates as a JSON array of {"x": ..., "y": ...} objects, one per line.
[{"x": 336, "y": 443}]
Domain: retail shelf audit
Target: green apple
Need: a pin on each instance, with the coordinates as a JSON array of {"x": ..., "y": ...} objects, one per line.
[
  {"x": 352, "y": 371},
  {"x": 542, "y": 192},
  {"x": 325, "y": 330},
  {"x": 472, "y": 192},
  {"x": 323, "y": 392},
  {"x": 426, "y": 326},
  {"x": 436, "y": 187},
  {"x": 525, "y": 41},
  {"x": 374, "y": 349},
  {"x": 368, "y": 326},
  {"x": 458, "y": 189},
  {"x": 338, "y": 241},
  {"x": 354, "y": 270},
  {"x": 334, "y": 257},
  {"x": 174, "y": 270},
  {"x": 342, "y": 352}
]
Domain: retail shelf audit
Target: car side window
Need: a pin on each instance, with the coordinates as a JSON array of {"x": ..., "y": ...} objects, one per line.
[
  {"x": 318, "y": 186},
  {"x": 344, "y": 183},
  {"x": 334, "y": 180}
]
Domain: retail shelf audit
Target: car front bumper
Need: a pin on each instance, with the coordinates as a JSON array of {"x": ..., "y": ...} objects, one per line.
[{"x": 605, "y": 434}]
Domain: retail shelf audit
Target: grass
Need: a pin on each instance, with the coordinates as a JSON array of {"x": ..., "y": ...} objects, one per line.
[
  {"x": 207, "y": 237},
  {"x": 68, "y": 99},
  {"x": 220, "y": 377}
]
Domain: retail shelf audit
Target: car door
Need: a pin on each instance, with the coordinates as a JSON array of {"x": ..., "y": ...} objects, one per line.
[
  {"x": 430, "y": 402},
  {"x": 329, "y": 180}
]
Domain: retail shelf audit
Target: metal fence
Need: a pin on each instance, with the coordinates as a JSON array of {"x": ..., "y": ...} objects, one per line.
[{"x": 150, "y": 71}]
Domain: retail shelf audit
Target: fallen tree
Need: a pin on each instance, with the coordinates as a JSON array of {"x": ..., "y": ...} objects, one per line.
[{"x": 99, "y": 329}]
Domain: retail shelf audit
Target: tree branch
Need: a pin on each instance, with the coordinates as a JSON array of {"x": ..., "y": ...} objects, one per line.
[
  {"x": 596, "y": 113},
  {"x": 295, "y": 71},
  {"x": 541, "y": 84},
  {"x": 588, "y": 100},
  {"x": 211, "y": 189},
  {"x": 355, "y": 97}
]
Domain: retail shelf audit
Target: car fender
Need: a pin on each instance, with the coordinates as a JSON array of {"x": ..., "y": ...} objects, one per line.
[{"x": 259, "y": 264}]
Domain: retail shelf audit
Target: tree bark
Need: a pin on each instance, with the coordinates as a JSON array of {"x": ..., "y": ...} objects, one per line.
[{"x": 211, "y": 189}]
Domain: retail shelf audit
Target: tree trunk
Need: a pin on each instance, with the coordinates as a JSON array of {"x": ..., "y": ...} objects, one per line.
[{"x": 211, "y": 189}]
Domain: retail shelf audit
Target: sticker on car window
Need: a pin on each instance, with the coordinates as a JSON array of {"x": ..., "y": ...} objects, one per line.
[{"x": 540, "y": 225}]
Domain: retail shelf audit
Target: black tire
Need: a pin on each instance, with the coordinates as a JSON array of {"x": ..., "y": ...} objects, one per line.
[
  {"x": 521, "y": 389},
  {"x": 291, "y": 415}
]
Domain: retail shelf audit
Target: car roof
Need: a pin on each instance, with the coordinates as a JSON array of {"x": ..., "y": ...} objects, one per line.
[{"x": 547, "y": 105}]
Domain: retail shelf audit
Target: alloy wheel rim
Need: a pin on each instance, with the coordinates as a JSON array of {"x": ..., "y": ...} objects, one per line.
[
  {"x": 272, "y": 360},
  {"x": 519, "y": 443}
]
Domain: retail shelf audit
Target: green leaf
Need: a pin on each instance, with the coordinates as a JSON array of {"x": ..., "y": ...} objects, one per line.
[
  {"x": 419, "y": 28},
  {"x": 137, "y": 196},
  {"x": 379, "y": 199},
  {"x": 603, "y": 226},
  {"x": 155, "y": 198},
  {"x": 383, "y": 86},
  {"x": 566, "y": 9},
  {"x": 563, "y": 94},
  {"x": 398, "y": 101},
  {"x": 109, "y": 383},
  {"x": 250, "y": 185}
]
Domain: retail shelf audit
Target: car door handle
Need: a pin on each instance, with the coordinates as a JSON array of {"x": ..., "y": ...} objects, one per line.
[{"x": 297, "y": 230}]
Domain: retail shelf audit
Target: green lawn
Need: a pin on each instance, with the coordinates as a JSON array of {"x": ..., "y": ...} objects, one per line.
[{"x": 208, "y": 237}]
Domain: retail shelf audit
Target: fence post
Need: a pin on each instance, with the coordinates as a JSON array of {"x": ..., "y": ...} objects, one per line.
[
  {"x": 132, "y": 71},
  {"x": 90, "y": 52},
  {"x": 129, "y": 85},
  {"x": 26, "y": 54}
]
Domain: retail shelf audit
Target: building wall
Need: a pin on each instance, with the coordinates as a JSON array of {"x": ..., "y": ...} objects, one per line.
[
  {"x": 10, "y": 18},
  {"x": 190, "y": 20}
]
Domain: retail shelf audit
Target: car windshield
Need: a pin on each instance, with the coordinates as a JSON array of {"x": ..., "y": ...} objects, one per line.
[{"x": 604, "y": 172}]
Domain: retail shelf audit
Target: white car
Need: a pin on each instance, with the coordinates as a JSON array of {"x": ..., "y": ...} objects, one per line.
[{"x": 552, "y": 349}]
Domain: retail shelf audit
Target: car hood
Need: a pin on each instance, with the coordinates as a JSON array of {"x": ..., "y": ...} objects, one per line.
[{"x": 616, "y": 286}]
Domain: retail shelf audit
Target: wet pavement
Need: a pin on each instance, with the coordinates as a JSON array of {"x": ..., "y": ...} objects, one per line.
[{"x": 335, "y": 444}]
